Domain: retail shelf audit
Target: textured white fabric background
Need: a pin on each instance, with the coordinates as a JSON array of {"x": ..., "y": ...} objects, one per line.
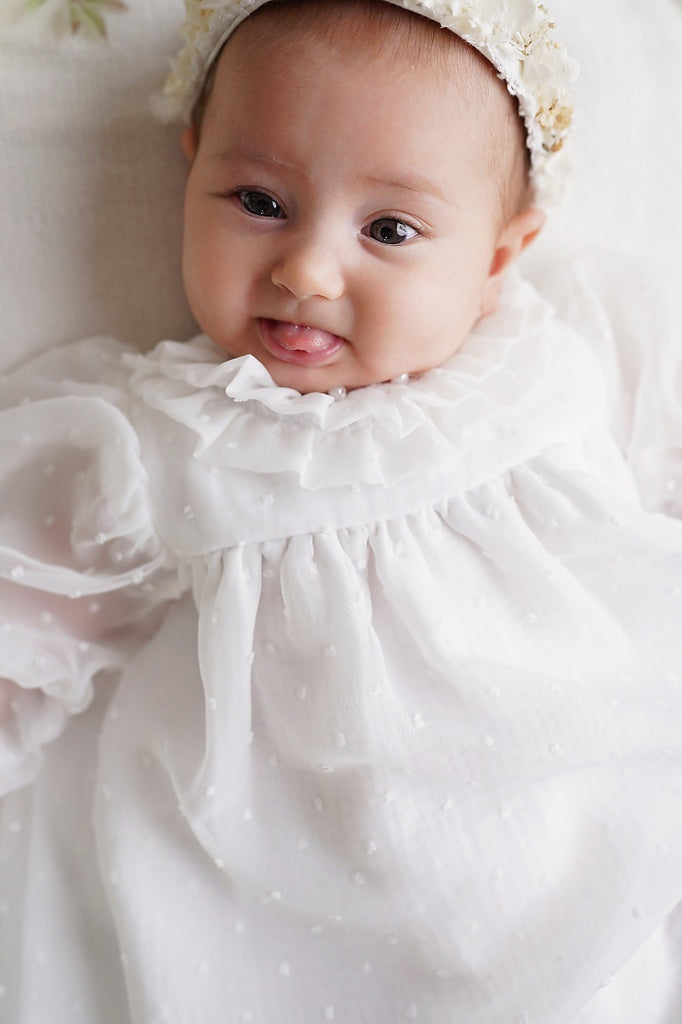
[{"x": 90, "y": 186}]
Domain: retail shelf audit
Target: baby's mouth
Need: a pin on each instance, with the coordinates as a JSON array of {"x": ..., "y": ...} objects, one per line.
[{"x": 298, "y": 343}]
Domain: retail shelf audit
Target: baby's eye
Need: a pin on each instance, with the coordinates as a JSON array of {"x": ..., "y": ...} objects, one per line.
[
  {"x": 260, "y": 204},
  {"x": 391, "y": 231}
]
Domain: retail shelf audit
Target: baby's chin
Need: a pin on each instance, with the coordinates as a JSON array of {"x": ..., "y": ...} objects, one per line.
[
  {"x": 334, "y": 384},
  {"x": 333, "y": 379}
]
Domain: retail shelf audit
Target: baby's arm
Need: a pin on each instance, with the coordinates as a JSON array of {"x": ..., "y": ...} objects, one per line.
[{"x": 83, "y": 576}]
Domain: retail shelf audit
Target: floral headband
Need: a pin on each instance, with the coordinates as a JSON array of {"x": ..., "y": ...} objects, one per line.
[{"x": 514, "y": 35}]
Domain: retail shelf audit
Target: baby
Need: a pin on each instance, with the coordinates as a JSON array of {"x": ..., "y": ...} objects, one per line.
[
  {"x": 369, "y": 650},
  {"x": 344, "y": 200}
]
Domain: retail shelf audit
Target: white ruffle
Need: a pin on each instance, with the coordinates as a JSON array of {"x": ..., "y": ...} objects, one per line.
[
  {"x": 44, "y": 684},
  {"x": 521, "y": 381}
]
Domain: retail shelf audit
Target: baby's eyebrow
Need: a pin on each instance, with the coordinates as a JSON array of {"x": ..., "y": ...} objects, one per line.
[
  {"x": 225, "y": 155},
  {"x": 410, "y": 183}
]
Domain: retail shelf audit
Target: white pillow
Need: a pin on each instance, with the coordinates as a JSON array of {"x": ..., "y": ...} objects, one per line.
[{"x": 91, "y": 186}]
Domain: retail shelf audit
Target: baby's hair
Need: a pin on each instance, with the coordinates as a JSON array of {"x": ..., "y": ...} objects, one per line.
[{"x": 383, "y": 29}]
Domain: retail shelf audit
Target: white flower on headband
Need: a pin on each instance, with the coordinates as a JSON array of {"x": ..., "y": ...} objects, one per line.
[{"x": 516, "y": 36}]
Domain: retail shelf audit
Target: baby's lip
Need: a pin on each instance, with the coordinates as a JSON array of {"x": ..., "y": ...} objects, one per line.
[{"x": 299, "y": 343}]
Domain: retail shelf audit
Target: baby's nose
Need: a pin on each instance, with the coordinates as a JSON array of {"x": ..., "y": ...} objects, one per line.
[{"x": 309, "y": 268}]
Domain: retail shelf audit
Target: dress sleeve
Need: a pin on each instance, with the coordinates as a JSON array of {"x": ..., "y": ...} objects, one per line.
[
  {"x": 83, "y": 577},
  {"x": 630, "y": 311}
]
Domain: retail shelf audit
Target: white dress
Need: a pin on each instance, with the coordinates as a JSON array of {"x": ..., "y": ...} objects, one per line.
[{"x": 358, "y": 711}]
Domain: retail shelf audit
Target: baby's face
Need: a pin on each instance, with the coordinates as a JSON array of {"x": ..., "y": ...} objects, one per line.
[{"x": 340, "y": 223}]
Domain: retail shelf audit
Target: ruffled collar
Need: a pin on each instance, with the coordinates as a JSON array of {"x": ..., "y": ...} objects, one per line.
[
  {"x": 517, "y": 383},
  {"x": 244, "y": 379}
]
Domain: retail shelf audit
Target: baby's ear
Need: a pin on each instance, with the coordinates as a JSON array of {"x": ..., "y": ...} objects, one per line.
[
  {"x": 189, "y": 142},
  {"x": 513, "y": 239}
]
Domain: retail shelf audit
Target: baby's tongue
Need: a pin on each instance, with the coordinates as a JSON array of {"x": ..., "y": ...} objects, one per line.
[{"x": 301, "y": 339}]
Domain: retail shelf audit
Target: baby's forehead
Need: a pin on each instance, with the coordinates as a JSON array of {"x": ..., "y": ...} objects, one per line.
[
  {"x": 366, "y": 27},
  {"x": 387, "y": 39}
]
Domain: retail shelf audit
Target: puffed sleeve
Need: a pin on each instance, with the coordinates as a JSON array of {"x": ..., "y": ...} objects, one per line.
[
  {"x": 83, "y": 577},
  {"x": 630, "y": 311}
]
